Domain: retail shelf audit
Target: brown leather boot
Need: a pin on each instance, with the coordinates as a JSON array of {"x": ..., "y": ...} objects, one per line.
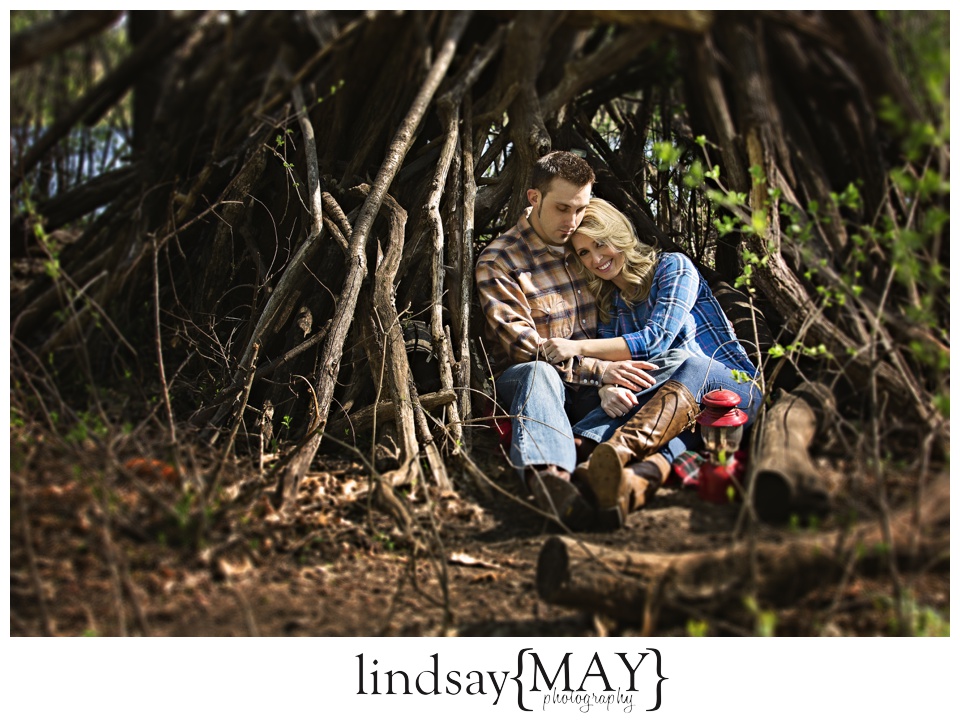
[
  {"x": 637, "y": 484},
  {"x": 669, "y": 412}
]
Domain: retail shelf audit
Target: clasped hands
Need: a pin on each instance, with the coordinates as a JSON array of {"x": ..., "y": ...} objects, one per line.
[{"x": 620, "y": 378}]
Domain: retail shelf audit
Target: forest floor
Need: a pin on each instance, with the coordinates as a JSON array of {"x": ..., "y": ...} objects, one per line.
[{"x": 91, "y": 555}]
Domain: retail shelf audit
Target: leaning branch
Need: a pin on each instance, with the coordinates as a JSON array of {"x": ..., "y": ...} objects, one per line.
[{"x": 57, "y": 34}]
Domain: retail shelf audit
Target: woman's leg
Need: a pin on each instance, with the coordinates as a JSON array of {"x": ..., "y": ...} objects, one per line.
[
  {"x": 598, "y": 426},
  {"x": 662, "y": 423}
]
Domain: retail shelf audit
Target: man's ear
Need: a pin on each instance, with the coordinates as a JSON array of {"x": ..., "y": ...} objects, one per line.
[{"x": 533, "y": 196}]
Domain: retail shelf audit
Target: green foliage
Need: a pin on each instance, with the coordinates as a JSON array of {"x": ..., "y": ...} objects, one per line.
[
  {"x": 778, "y": 351},
  {"x": 333, "y": 90},
  {"x": 666, "y": 155},
  {"x": 385, "y": 540},
  {"x": 751, "y": 261},
  {"x": 911, "y": 618},
  {"x": 88, "y": 424},
  {"x": 765, "y": 622},
  {"x": 697, "y": 628}
]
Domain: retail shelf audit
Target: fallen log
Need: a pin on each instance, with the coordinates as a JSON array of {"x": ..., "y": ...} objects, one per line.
[
  {"x": 656, "y": 587},
  {"x": 363, "y": 419},
  {"x": 785, "y": 479}
]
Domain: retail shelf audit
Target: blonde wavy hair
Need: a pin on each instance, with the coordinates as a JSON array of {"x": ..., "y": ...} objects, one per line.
[{"x": 605, "y": 223}]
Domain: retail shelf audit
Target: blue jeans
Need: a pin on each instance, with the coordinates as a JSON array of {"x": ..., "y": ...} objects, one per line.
[
  {"x": 700, "y": 375},
  {"x": 542, "y": 407}
]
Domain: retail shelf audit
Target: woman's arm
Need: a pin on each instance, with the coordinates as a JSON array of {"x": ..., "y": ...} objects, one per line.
[
  {"x": 609, "y": 349},
  {"x": 676, "y": 282}
]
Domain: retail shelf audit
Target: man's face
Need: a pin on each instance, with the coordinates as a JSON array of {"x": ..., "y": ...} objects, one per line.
[{"x": 557, "y": 214}]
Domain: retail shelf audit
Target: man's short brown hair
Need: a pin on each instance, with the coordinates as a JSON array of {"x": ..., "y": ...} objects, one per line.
[{"x": 563, "y": 164}]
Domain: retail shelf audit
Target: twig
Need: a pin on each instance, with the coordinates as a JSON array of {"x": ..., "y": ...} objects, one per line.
[
  {"x": 437, "y": 468},
  {"x": 466, "y": 262},
  {"x": 244, "y": 397},
  {"x": 158, "y": 339},
  {"x": 138, "y": 611},
  {"x": 878, "y": 462},
  {"x": 114, "y": 571},
  {"x": 248, "y": 616},
  {"x": 441, "y": 348},
  {"x": 313, "y": 168}
]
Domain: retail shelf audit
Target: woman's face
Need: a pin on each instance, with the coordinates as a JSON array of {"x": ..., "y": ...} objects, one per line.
[{"x": 599, "y": 258}]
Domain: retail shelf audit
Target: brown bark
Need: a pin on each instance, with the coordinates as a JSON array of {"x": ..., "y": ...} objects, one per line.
[{"x": 57, "y": 34}]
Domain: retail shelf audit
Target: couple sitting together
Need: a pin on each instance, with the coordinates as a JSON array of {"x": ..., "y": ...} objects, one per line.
[{"x": 619, "y": 395}]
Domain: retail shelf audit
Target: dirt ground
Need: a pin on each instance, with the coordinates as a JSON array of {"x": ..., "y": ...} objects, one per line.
[{"x": 97, "y": 555}]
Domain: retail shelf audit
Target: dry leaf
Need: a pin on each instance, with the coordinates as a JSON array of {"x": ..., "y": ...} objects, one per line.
[
  {"x": 229, "y": 569},
  {"x": 470, "y": 561}
]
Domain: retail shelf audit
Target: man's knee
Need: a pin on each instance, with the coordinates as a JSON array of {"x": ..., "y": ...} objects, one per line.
[
  {"x": 534, "y": 373},
  {"x": 533, "y": 378}
]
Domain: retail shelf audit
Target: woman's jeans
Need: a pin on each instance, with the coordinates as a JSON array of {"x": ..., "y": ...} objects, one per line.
[
  {"x": 700, "y": 375},
  {"x": 542, "y": 407}
]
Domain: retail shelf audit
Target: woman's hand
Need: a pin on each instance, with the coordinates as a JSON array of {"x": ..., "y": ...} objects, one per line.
[
  {"x": 616, "y": 401},
  {"x": 557, "y": 350},
  {"x": 631, "y": 374}
]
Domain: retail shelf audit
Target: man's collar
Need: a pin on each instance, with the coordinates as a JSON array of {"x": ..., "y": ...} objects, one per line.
[{"x": 536, "y": 244}]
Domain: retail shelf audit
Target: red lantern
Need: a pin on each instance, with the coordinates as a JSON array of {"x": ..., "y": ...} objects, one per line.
[{"x": 721, "y": 428}]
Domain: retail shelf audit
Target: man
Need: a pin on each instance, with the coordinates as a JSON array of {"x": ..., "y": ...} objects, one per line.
[{"x": 529, "y": 292}]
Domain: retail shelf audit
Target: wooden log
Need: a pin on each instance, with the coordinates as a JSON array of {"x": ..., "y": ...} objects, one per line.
[
  {"x": 450, "y": 117},
  {"x": 384, "y": 411},
  {"x": 642, "y": 587},
  {"x": 387, "y": 348},
  {"x": 785, "y": 479}
]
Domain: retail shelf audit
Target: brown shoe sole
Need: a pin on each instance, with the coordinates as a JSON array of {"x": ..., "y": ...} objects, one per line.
[
  {"x": 566, "y": 503},
  {"x": 605, "y": 473}
]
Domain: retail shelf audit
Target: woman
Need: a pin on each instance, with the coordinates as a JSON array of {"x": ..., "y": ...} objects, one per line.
[{"x": 649, "y": 304}]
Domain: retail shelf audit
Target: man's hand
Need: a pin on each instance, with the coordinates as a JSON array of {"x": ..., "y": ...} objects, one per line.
[
  {"x": 631, "y": 374},
  {"x": 556, "y": 350},
  {"x": 616, "y": 401}
]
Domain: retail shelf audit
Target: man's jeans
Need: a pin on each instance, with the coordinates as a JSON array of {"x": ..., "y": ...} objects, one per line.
[
  {"x": 542, "y": 407},
  {"x": 700, "y": 375}
]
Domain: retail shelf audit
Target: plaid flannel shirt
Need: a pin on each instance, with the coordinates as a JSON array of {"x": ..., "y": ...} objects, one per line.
[
  {"x": 680, "y": 312},
  {"x": 529, "y": 291}
]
